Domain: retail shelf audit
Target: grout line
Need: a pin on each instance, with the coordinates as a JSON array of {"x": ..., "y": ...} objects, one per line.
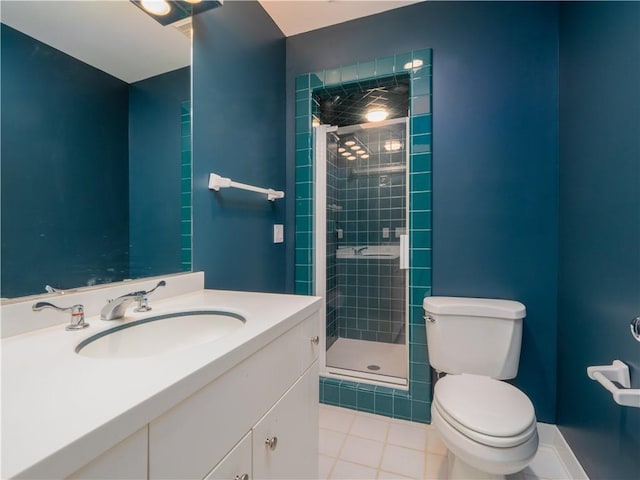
[
  {"x": 333, "y": 466},
  {"x": 384, "y": 448},
  {"x": 344, "y": 442}
]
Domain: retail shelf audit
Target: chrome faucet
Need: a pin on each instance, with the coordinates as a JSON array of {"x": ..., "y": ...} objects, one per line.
[
  {"x": 77, "y": 314},
  {"x": 358, "y": 251},
  {"x": 115, "y": 309},
  {"x": 50, "y": 289}
]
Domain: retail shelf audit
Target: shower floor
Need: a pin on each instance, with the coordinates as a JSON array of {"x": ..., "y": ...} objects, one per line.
[{"x": 360, "y": 355}]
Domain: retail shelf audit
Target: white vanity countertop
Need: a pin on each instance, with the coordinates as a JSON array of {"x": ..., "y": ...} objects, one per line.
[{"x": 60, "y": 409}]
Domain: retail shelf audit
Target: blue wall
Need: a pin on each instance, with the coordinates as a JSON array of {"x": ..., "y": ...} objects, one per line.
[
  {"x": 495, "y": 152},
  {"x": 64, "y": 159},
  {"x": 599, "y": 282},
  {"x": 155, "y": 173},
  {"x": 238, "y": 98}
]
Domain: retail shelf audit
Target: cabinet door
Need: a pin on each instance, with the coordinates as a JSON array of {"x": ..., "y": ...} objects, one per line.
[
  {"x": 192, "y": 437},
  {"x": 125, "y": 461},
  {"x": 285, "y": 440},
  {"x": 236, "y": 465}
]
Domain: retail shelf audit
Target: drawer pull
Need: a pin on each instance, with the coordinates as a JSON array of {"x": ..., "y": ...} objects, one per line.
[
  {"x": 315, "y": 340},
  {"x": 244, "y": 476},
  {"x": 271, "y": 442}
]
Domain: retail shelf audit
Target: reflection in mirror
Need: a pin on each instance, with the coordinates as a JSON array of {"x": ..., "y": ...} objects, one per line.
[{"x": 96, "y": 150}]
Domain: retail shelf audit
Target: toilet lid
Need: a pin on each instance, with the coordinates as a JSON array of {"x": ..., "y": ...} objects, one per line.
[{"x": 486, "y": 406}]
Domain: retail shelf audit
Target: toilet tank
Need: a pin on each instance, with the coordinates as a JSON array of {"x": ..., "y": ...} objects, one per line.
[{"x": 474, "y": 335}]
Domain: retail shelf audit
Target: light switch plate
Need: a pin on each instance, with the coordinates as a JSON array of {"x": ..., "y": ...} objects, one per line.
[{"x": 278, "y": 233}]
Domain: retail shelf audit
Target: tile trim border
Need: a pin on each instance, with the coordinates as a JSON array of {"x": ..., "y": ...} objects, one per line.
[
  {"x": 397, "y": 403},
  {"x": 186, "y": 187}
]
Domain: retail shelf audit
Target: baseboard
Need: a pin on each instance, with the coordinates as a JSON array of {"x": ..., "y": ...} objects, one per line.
[{"x": 551, "y": 436}]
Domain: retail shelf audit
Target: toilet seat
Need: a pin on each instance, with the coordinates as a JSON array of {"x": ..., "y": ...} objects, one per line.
[{"x": 485, "y": 410}]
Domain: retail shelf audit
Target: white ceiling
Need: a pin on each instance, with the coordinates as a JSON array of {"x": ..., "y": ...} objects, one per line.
[
  {"x": 118, "y": 38},
  {"x": 114, "y": 36},
  {"x": 299, "y": 16}
]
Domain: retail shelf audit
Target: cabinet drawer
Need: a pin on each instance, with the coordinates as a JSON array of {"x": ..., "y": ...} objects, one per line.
[
  {"x": 126, "y": 461},
  {"x": 188, "y": 440},
  {"x": 236, "y": 464},
  {"x": 285, "y": 441},
  {"x": 310, "y": 340}
]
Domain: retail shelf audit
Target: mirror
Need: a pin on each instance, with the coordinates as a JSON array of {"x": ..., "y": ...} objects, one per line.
[{"x": 96, "y": 145}]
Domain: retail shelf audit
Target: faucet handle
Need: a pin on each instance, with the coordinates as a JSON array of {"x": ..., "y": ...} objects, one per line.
[
  {"x": 77, "y": 314},
  {"x": 161, "y": 283},
  {"x": 143, "y": 304},
  {"x": 143, "y": 301}
]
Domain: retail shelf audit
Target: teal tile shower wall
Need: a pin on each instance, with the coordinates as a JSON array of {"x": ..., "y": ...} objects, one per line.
[{"x": 414, "y": 404}]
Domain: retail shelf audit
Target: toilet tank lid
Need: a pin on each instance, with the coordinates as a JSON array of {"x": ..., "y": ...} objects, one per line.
[{"x": 475, "y": 307}]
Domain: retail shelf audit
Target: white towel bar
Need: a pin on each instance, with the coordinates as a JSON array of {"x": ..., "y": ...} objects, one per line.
[
  {"x": 618, "y": 372},
  {"x": 216, "y": 182}
]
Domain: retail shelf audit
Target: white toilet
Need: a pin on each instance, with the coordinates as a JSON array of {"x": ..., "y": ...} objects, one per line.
[{"x": 489, "y": 426}]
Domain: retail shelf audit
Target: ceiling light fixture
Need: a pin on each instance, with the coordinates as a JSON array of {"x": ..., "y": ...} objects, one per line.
[
  {"x": 392, "y": 145},
  {"x": 356, "y": 147},
  {"x": 156, "y": 7},
  {"x": 346, "y": 154},
  {"x": 351, "y": 157},
  {"x": 348, "y": 143},
  {"x": 174, "y": 12},
  {"x": 417, "y": 63},
  {"x": 341, "y": 149},
  {"x": 377, "y": 115},
  {"x": 366, "y": 155}
]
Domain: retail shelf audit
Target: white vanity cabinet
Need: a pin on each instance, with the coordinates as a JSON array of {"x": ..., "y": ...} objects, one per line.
[
  {"x": 200, "y": 411},
  {"x": 237, "y": 464},
  {"x": 128, "y": 459},
  {"x": 274, "y": 390}
]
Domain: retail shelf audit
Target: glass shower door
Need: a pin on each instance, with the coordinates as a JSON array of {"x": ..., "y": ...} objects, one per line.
[{"x": 365, "y": 205}]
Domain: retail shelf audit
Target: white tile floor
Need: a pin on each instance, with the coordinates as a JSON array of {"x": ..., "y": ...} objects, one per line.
[{"x": 357, "y": 445}]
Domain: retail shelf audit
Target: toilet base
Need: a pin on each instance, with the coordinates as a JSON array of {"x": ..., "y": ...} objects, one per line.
[{"x": 459, "y": 470}]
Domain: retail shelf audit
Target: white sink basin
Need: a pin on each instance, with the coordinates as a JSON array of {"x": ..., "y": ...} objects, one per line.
[{"x": 160, "y": 334}]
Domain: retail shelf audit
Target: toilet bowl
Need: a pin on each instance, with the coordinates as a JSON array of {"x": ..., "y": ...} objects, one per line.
[{"x": 488, "y": 426}]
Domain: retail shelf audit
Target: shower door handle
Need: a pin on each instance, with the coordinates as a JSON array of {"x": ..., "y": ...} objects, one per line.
[{"x": 404, "y": 252}]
